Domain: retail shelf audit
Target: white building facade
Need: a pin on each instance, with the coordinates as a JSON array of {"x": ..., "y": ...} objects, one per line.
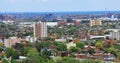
[
  {"x": 43, "y": 29},
  {"x": 40, "y": 30},
  {"x": 115, "y": 35}
]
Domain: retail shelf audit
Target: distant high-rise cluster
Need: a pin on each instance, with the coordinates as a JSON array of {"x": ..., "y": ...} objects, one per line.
[{"x": 40, "y": 29}]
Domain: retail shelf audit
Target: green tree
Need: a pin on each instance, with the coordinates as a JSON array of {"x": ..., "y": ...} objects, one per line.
[
  {"x": 1, "y": 49},
  {"x": 118, "y": 55},
  {"x": 50, "y": 61},
  {"x": 9, "y": 52},
  {"x": 14, "y": 61},
  {"x": 86, "y": 43},
  {"x": 46, "y": 53},
  {"x": 33, "y": 54},
  {"x": 25, "y": 51},
  {"x": 1, "y": 44},
  {"x": 91, "y": 51},
  {"x": 80, "y": 45},
  {"x": 106, "y": 45},
  {"x": 72, "y": 55},
  {"x": 59, "y": 60},
  {"x": 38, "y": 47},
  {"x": 56, "y": 43},
  {"x": 15, "y": 55},
  {"x": 72, "y": 30},
  {"x": 5, "y": 61},
  {"x": 47, "y": 39},
  {"x": 65, "y": 60},
  {"x": 45, "y": 44},
  {"x": 74, "y": 49},
  {"x": 111, "y": 49},
  {"x": 61, "y": 47},
  {"x": 99, "y": 45}
]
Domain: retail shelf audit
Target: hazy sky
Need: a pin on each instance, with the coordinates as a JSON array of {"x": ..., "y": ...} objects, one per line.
[{"x": 58, "y": 5}]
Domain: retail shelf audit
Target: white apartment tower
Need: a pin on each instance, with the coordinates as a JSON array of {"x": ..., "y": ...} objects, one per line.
[{"x": 40, "y": 30}]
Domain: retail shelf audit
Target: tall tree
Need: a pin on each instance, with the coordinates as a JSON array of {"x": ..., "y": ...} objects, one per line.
[
  {"x": 9, "y": 52},
  {"x": 33, "y": 54}
]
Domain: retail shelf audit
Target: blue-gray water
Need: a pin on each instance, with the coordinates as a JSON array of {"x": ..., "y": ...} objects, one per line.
[{"x": 32, "y": 14}]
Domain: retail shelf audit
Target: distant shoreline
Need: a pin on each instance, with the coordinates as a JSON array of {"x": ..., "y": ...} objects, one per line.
[{"x": 63, "y": 12}]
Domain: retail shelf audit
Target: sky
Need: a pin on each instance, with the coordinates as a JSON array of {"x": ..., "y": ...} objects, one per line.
[{"x": 58, "y": 5}]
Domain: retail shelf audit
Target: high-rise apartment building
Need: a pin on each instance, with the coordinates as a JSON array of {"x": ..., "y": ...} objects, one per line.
[
  {"x": 40, "y": 29},
  {"x": 95, "y": 23}
]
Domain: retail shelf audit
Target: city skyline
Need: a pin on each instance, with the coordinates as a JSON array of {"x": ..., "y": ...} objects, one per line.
[{"x": 58, "y": 5}]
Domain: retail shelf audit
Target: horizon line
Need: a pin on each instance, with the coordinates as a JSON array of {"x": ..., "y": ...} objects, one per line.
[{"x": 58, "y": 11}]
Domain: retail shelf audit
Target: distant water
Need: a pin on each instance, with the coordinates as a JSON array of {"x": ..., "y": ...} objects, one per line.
[
  {"x": 86, "y": 12},
  {"x": 32, "y": 14}
]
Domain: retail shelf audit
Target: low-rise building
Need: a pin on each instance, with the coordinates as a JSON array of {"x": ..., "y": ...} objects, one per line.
[
  {"x": 60, "y": 40},
  {"x": 81, "y": 56},
  {"x": 11, "y": 41},
  {"x": 30, "y": 39},
  {"x": 62, "y": 23},
  {"x": 70, "y": 45},
  {"x": 52, "y": 24},
  {"x": 115, "y": 34}
]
